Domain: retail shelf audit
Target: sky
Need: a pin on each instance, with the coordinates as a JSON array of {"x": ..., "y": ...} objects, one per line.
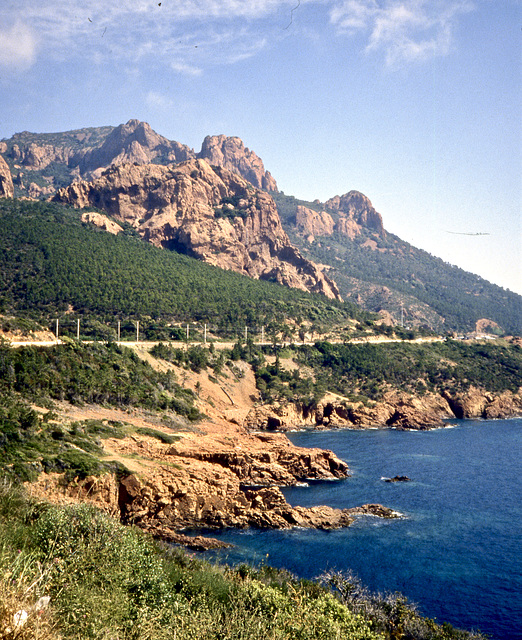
[{"x": 415, "y": 103}]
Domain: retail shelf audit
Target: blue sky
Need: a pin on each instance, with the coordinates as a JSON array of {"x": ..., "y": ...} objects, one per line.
[{"x": 416, "y": 103}]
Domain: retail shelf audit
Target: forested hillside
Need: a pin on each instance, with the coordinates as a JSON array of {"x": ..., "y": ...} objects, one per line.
[
  {"x": 384, "y": 272},
  {"x": 53, "y": 265}
]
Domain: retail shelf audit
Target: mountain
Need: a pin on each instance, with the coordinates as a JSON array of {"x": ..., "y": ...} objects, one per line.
[
  {"x": 344, "y": 235},
  {"x": 41, "y": 163},
  {"x": 385, "y": 275},
  {"x": 134, "y": 142},
  {"x": 206, "y": 212}
]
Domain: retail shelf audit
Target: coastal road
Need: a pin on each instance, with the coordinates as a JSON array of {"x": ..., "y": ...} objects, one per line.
[{"x": 145, "y": 344}]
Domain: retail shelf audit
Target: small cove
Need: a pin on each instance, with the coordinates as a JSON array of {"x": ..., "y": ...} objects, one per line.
[{"x": 457, "y": 551}]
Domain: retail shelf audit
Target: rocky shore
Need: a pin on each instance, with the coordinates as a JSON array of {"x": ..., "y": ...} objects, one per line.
[
  {"x": 228, "y": 472},
  {"x": 396, "y": 410},
  {"x": 207, "y": 482},
  {"x": 218, "y": 476}
]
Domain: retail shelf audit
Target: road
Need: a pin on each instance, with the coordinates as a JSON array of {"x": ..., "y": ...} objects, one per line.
[{"x": 224, "y": 345}]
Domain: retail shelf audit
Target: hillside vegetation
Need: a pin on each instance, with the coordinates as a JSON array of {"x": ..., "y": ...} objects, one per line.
[
  {"x": 366, "y": 371},
  {"x": 51, "y": 264},
  {"x": 74, "y": 573},
  {"x": 448, "y": 297}
]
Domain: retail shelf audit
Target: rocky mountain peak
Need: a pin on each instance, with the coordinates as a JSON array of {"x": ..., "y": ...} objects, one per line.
[
  {"x": 231, "y": 153},
  {"x": 208, "y": 212},
  {"x": 135, "y": 142},
  {"x": 355, "y": 207},
  {"x": 6, "y": 181}
]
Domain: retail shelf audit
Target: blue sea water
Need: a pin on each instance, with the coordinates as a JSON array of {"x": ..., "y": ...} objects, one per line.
[{"x": 457, "y": 553}]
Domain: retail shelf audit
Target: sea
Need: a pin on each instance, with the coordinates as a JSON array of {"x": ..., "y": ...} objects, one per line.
[{"x": 456, "y": 552}]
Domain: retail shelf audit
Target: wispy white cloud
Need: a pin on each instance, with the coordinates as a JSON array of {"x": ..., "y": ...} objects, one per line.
[
  {"x": 403, "y": 31},
  {"x": 156, "y": 100},
  {"x": 131, "y": 31},
  {"x": 222, "y": 31},
  {"x": 17, "y": 47},
  {"x": 186, "y": 69}
]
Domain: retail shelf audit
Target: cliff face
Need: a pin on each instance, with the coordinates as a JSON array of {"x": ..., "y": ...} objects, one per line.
[
  {"x": 6, "y": 182},
  {"x": 134, "y": 142},
  {"x": 397, "y": 410},
  {"x": 353, "y": 211},
  {"x": 231, "y": 153},
  {"x": 207, "y": 212}
]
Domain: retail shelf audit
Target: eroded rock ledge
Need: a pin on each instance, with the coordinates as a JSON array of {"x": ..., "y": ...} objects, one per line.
[
  {"x": 213, "y": 482},
  {"x": 397, "y": 410}
]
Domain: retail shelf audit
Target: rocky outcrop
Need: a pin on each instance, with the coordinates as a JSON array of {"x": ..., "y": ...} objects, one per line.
[
  {"x": 477, "y": 403},
  {"x": 36, "y": 156},
  {"x": 313, "y": 223},
  {"x": 355, "y": 208},
  {"x": 134, "y": 142},
  {"x": 266, "y": 459},
  {"x": 165, "y": 507},
  {"x": 396, "y": 410},
  {"x": 102, "y": 222},
  {"x": 230, "y": 153},
  {"x": 345, "y": 215},
  {"x": 6, "y": 181},
  {"x": 204, "y": 482},
  {"x": 222, "y": 477},
  {"x": 485, "y": 326},
  {"x": 207, "y": 212}
]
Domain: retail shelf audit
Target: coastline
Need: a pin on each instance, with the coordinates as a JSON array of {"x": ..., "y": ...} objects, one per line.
[{"x": 228, "y": 470}]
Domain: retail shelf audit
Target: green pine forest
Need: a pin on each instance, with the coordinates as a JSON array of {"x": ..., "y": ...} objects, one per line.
[{"x": 53, "y": 265}]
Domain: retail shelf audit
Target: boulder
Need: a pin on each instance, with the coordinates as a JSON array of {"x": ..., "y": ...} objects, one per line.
[{"x": 6, "y": 181}]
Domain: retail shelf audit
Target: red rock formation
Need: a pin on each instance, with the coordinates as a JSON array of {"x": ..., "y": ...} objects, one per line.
[
  {"x": 313, "y": 223},
  {"x": 87, "y": 152},
  {"x": 207, "y": 212},
  {"x": 354, "y": 207},
  {"x": 397, "y": 410},
  {"x": 6, "y": 181},
  {"x": 134, "y": 142},
  {"x": 231, "y": 153}
]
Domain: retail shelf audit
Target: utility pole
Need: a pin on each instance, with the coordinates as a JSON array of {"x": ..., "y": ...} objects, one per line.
[
  {"x": 57, "y": 322},
  {"x": 119, "y": 323},
  {"x": 262, "y": 334},
  {"x": 205, "y": 335},
  {"x": 78, "y": 330},
  {"x": 137, "y": 331},
  {"x": 246, "y": 334}
]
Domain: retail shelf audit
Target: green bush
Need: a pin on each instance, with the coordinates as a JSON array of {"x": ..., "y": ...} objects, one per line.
[{"x": 105, "y": 580}]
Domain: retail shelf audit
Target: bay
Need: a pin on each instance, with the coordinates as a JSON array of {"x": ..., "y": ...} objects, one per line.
[{"x": 457, "y": 553}]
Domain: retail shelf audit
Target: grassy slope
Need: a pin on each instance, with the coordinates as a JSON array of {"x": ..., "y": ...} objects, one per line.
[{"x": 103, "y": 580}]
